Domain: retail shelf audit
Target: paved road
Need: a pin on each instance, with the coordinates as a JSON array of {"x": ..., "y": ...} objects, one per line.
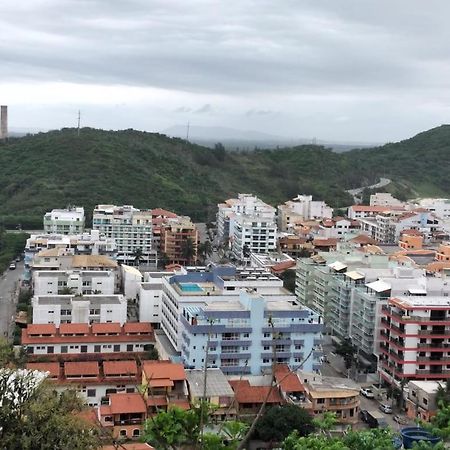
[
  {"x": 355, "y": 192},
  {"x": 8, "y": 283}
]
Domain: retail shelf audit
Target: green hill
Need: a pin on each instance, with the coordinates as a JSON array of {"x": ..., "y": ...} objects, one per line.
[{"x": 58, "y": 168}]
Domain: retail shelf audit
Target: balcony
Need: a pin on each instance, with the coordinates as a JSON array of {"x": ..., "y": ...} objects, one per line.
[{"x": 431, "y": 346}]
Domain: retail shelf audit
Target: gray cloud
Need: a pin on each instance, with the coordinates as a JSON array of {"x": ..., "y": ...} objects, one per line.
[{"x": 315, "y": 61}]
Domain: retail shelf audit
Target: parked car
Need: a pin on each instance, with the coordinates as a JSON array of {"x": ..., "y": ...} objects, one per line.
[
  {"x": 363, "y": 415},
  {"x": 12, "y": 266},
  {"x": 367, "y": 392},
  {"x": 400, "y": 420},
  {"x": 385, "y": 408}
]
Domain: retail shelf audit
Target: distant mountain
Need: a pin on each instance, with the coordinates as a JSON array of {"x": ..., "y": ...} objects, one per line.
[
  {"x": 49, "y": 170},
  {"x": 234, "y": 139}
]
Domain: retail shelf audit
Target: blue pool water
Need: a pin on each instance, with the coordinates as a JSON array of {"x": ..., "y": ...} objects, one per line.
[{"x": 190, "y": 287}]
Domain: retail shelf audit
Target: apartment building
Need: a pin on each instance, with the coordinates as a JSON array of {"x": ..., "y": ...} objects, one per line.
[
  {"x": 295, "y": 246},
  {"x": 246, "y": 335},
  {"x": 179, "y": 240},
  {"x": 302, "y": 208},
  {"x": 214, "y": 283},
  {"x": 252, "y": 234},
  {"x": 439, "y": 206},
  {"x": 415, "y": 331},
  {"x": 88, "y": 309},
  {"x": 245, "y": 204},
  {"x": 337, "y": 227},
  {"x": 64, "y": 221},
  {"x": 159, "y": 217},
  {"x": 387, "y": 227},
  {"x": 443, "y": 253},
  {"x": 131, "y": 229},
  {"x": 81, "y": 282},
  {"x": 93, "y": 380},
  {"x": 81, "y": 340},
  {"x": 384, "y": 199},
  {"x": 364, "y": 211},
  {"x": 150, "y": 295}
]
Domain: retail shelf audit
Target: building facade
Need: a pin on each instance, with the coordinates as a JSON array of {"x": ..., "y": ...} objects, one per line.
[
  {"x": 131, "y": 229},
  {"x": 64, "y": 221}
]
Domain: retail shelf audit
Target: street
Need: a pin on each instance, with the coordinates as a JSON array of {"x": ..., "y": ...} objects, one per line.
[{"x": 8, "y": 284}]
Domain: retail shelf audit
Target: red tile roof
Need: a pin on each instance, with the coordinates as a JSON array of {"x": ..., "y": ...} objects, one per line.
[
  {"x": 52, "y": 367},
  {"x": 363, "y": 239},
  {"x": 129, "y": 446},
  {"x": 74, "y": 328},
  {"x": 106, "y": 328},
  {"x": 163, "y": 370},
  {"x": 288, "y": 381},
  {"x": 183, "y": 404},
  {"x": 282, "y": 266},
  {"x": 127, "y": 403},
  {"x": 366, "y": 208},
  {"x": 164, "y": 213},
  {"x": 41, "y": 328},
  {"x": 137, "y": 327},
  {"x": 111, "y": 368},
  {"x": 246, "y": 393},
  {"x": 81, "y": 368},
  {"x": 157, "y": 400},
  {"x": 325, "y": 242}
]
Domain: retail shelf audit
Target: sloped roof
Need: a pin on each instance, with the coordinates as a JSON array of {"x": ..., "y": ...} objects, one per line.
[
  {"x": 127, "y": 403},
  {"x": 164, "y": 370},
  {"x": 51, "y": 367},
  {"x": 287, "y": 380},
  {"x": 119, "y": 368},
  {"x": 244, "y": 392},
  {"x": 81, "y": 368}
]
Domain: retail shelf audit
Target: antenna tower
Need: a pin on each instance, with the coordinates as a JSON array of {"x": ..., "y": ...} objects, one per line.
[
  {"x": 79, "y": 119},
  {"x": 187, "y": 132}
]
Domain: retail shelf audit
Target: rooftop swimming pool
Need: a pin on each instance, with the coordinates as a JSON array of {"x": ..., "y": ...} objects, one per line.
[{"x": 190, "y": 287}]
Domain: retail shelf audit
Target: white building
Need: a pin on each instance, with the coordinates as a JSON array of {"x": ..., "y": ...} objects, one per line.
[
  {"x": 245, "y": 204},
  {"x": 130, "y": 228},
  {"x": 150, "y": 295},
  {"x": 252, "y": 233},
  {"x": 384, "y": 199},
  {"x": 64, "y": 221},
  {"x": 363, "y": 211},
  {"x": 302, "y": 208},
  {"x": 60, "y": 309},
  {"x": 86, "y": 282},
  {"x": 439, "y": 206},
  {"x": 131, "y": 281}
]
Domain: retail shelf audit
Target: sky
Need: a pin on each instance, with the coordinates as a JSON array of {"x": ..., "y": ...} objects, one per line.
[{"x": 342, "y": 70}]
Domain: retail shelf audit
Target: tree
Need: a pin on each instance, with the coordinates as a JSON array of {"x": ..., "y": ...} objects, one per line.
[
  {"x": 376, "y": 439},
  {"x": 9, "y": 357},
  {"x": 32, "y": 415},
  {"x": 188, "y": 250},
  {"x": 204, "y": 249},
  {"x": 347, "y": 350},
  {"x": 138, "y": 255},
  {"x": 279, "y": 421}
]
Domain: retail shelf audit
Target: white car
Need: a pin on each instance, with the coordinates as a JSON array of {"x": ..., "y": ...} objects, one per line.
[
  {"x": 385, "y": 408},
  {"x": 367, "y": 392}
]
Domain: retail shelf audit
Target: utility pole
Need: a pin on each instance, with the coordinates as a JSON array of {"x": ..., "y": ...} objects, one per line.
[
  {"x": 79, "y": 119},
  {"x": 187, "y": 131}
]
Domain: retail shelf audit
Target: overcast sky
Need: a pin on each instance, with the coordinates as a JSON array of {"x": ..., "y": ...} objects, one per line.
[{"x": 348, "y": 70}]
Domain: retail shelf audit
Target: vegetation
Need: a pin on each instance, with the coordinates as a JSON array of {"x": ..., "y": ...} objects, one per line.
[
  {"x": 54, "y": 169},
  {"x": 347, "y": 350},
  {"x": 280, "y": 421},
  {"x": 11, "y": 246}
]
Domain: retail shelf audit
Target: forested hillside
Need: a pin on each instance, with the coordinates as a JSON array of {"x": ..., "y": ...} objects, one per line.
[{"x": 59, "y": 168}]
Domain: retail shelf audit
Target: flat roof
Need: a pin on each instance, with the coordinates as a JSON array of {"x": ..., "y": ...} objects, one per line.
[
  {"x": 216, "y": 383},
  {"x": 422, "y": 301}
]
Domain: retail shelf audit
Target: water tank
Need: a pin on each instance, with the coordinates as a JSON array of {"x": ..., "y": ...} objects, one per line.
[{"x": 410, "y": 435}]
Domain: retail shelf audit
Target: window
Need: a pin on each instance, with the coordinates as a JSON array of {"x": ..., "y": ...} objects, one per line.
[
  {"x": 266, "y": 334},
  {"x": 117, "y": 347},
  {"x": 266, "y": 360},
  {"x": 129, "y": 347},
  {"x": 320, "y": 401},
  {"x": 63, "y": 348},
  {"x": 266, "y": 347},
  {"x": 123, "y": 433},
  {"x": 421, "y": 366},
  {"x": 246, "y": 335},
  {"x": 83, "y": 349},
  {"x": 97, "y": 348},
  {"x": 50, "y": 349},
  {"x": 91, "y": 392},
  {"x": 136, "y": 432},
  {"x": 425, "y": 401}
]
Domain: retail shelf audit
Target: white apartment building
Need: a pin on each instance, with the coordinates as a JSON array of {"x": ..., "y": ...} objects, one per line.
[
  {"x": 439, "y": 206},
  {"x": 85, "y": 282},
  {"x": 245, "y": 204},
  {"x": 94, "y": 308},
  {"x": 217, "y": 283},
  {"x": 150, "y": 295},
  {"x": 302, "y": 208},
  {"x": 254, "y": 233},
  {"x": 131, "y": 228},
  {"x": 64, "y": 221},
  {"x": 334, "y": 228},
  {"x": 363, "y": 211},
  {"x": 384, "y": 199}
]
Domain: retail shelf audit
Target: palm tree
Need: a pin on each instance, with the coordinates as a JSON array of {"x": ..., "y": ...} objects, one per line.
[
  {"x": 189, "y": 250},
  {"x": 137, "y": 255}
]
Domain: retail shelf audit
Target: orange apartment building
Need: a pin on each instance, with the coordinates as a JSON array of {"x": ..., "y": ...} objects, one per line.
[{"x": 175, "y": 233}]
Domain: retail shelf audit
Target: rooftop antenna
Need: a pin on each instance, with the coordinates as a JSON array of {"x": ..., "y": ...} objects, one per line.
[
  {"x": 79, "y": 118},
  {"x": 187, "y": 132}
]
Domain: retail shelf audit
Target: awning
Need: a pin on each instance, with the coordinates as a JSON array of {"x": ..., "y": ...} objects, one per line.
[
  {"x": 417, "y": 291},
  {"x": 354, "y": 275},
  {"x": 337, "y": 265},
  {"x": 379, "y": 286}
]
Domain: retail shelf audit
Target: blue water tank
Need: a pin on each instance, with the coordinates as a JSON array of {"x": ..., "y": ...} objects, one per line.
[{"x": 416, "y": 434}]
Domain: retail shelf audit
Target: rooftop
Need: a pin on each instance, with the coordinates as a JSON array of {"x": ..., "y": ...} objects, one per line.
[
  {"x": 420, "y": 301},
  {"x": 216, "y": 383},
  {"x": 244, "y": 392},
  {"x": 161, "y": 370},
  {"x": 81, "y": 368},
  {"x": 127, "y": 403}
]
